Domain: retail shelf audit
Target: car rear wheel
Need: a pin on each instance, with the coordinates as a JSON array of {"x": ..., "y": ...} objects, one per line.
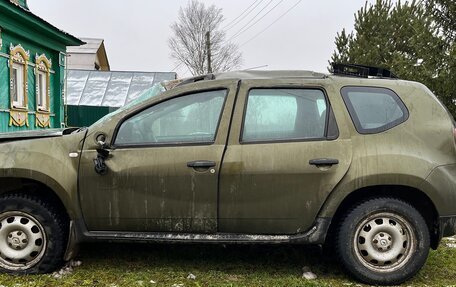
[
  {"x": 32, "y": 235},
  {"x": 383, "y": 241}
]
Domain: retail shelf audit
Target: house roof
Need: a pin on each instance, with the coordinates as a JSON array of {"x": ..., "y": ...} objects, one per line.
[
  {"x": 24, "y": 18},
  {"x": 91, "y": 46},
  {"x": 108, "y": 88}
]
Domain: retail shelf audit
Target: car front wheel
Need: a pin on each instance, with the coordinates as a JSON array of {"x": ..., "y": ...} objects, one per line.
[
  {"x": 383, "y": 241},
  {"x": 32, "y": 235}
]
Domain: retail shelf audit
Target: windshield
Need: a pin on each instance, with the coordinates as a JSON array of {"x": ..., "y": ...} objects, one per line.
[{"x": 156, "y": 90}]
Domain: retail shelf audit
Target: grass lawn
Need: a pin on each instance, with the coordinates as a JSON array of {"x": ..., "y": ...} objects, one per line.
[{"x": 115, "y": 265}]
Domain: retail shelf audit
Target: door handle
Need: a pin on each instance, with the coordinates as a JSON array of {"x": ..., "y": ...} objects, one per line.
[
  {"x": 201, "y": 163},
  {"x": 323, "y": 161}
]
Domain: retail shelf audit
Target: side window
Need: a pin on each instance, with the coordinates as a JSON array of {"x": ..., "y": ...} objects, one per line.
[
  {"x": 284, "y": 114},
  {"x": 188, "y": 119},
  {"x": 374, "y": 110}
]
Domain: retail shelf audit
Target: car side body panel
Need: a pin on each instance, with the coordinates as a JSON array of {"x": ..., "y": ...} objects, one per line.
[{"x": 419, "y": 153}]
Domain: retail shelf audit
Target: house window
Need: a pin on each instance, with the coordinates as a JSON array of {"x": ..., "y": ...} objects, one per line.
[
  {"x": 42, "y": 93},
  {"x": 42, "y": 72},
  {"x": 18, "y": 77},
  {"x": 17, "y": 83}
]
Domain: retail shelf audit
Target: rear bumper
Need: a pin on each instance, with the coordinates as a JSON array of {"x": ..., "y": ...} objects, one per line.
[{"x": 441, "y": 188}]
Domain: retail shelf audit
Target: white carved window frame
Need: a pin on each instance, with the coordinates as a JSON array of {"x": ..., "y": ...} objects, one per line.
[{"x": 43, "y": 81}]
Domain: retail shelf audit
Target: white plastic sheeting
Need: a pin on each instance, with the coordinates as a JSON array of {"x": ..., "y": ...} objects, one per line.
[{"x": 109, "y": 89}]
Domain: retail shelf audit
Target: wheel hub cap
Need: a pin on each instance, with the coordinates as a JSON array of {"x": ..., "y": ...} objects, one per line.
[
  {"x": 382, "y": 241},
  {"x": 17, "y": 240}
]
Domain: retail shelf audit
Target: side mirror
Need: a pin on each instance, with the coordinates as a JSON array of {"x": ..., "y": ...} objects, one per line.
[
  {"x": 102, "y": 155},
  {"x": 101, "y": 141},
  {"x": 102, "y": 144}
]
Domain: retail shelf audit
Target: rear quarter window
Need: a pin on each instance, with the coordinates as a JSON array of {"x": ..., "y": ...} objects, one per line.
[{"x": 374, "y": 110}]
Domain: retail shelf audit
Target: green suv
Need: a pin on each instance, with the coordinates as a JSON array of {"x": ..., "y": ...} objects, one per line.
[{"x": 357, "y": 160}]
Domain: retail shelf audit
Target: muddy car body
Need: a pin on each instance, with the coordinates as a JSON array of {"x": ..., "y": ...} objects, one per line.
[{"x": 367, "y": 164}]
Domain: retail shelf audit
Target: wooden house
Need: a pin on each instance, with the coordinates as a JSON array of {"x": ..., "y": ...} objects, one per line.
[{"x": 32, "y": 69}]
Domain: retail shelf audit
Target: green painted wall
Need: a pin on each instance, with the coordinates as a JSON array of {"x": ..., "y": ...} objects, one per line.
[
  {"x": 56, "y": 104},
  {"x": 84, "y": 116}
]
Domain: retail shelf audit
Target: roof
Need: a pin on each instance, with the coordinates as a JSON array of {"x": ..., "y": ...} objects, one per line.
[
  {"x": 353, "y": 70},
  {"x": 91, "y": 46},
  {"x": 108, "y": 88},
  {"x": 28, "y": 19},
  {"x": 260, "y": 74}
]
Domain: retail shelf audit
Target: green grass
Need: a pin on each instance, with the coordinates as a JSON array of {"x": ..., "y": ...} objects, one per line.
[{"x": 215, "y": 265}]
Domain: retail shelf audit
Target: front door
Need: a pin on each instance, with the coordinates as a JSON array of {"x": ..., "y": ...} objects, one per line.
[{"x": 163, "y": 167}]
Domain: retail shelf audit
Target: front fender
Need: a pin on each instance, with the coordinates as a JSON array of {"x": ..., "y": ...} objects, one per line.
[{"x": 47, "y": 161}]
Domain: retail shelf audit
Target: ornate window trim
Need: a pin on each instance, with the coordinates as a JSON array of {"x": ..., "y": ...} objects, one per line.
[
  {"x": 18, "y": 56},
  {"x": 18, "y": 61},
  {"x": 43, "y": 67},
  {"x": 43, "y": 85}
]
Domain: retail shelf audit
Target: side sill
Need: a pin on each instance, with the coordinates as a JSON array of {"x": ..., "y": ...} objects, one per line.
[{"x": 315, "y": 235}]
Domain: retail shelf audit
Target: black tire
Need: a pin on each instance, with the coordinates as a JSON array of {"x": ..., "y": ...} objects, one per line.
[
  {"x": 382, "y": 241},
  {"x": 33, "y": 235}
]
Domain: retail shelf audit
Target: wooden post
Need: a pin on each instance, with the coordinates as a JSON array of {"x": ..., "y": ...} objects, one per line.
[{"x": 208, "y": 47}]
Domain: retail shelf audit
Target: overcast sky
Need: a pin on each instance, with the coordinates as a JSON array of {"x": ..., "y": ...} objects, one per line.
[{"x": 136, "y": 31}]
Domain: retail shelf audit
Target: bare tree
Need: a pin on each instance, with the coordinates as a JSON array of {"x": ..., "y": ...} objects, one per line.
[{"x": 188, "y": 42}]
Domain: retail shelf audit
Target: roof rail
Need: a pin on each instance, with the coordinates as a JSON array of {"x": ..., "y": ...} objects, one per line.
[
  {"x": 197, "y": 79},
  {"x": 361, "y": 71}
]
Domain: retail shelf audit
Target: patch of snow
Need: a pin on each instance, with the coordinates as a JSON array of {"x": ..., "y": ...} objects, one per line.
[
  {"x": 418, "y": 62},
  {"x": 75, "y": 263},
  {"x": 67, "y": 269},
  {"x": 232, "y": 278},
  {"x": 453, "y": 238},
  {"x": 307, "y": 274}
]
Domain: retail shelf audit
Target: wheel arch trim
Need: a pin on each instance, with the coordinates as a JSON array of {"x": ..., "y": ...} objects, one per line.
[{"x": 20, "y": 176}]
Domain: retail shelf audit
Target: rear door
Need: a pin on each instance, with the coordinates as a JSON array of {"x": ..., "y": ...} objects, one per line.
[{"x": 284, "y": 156}]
